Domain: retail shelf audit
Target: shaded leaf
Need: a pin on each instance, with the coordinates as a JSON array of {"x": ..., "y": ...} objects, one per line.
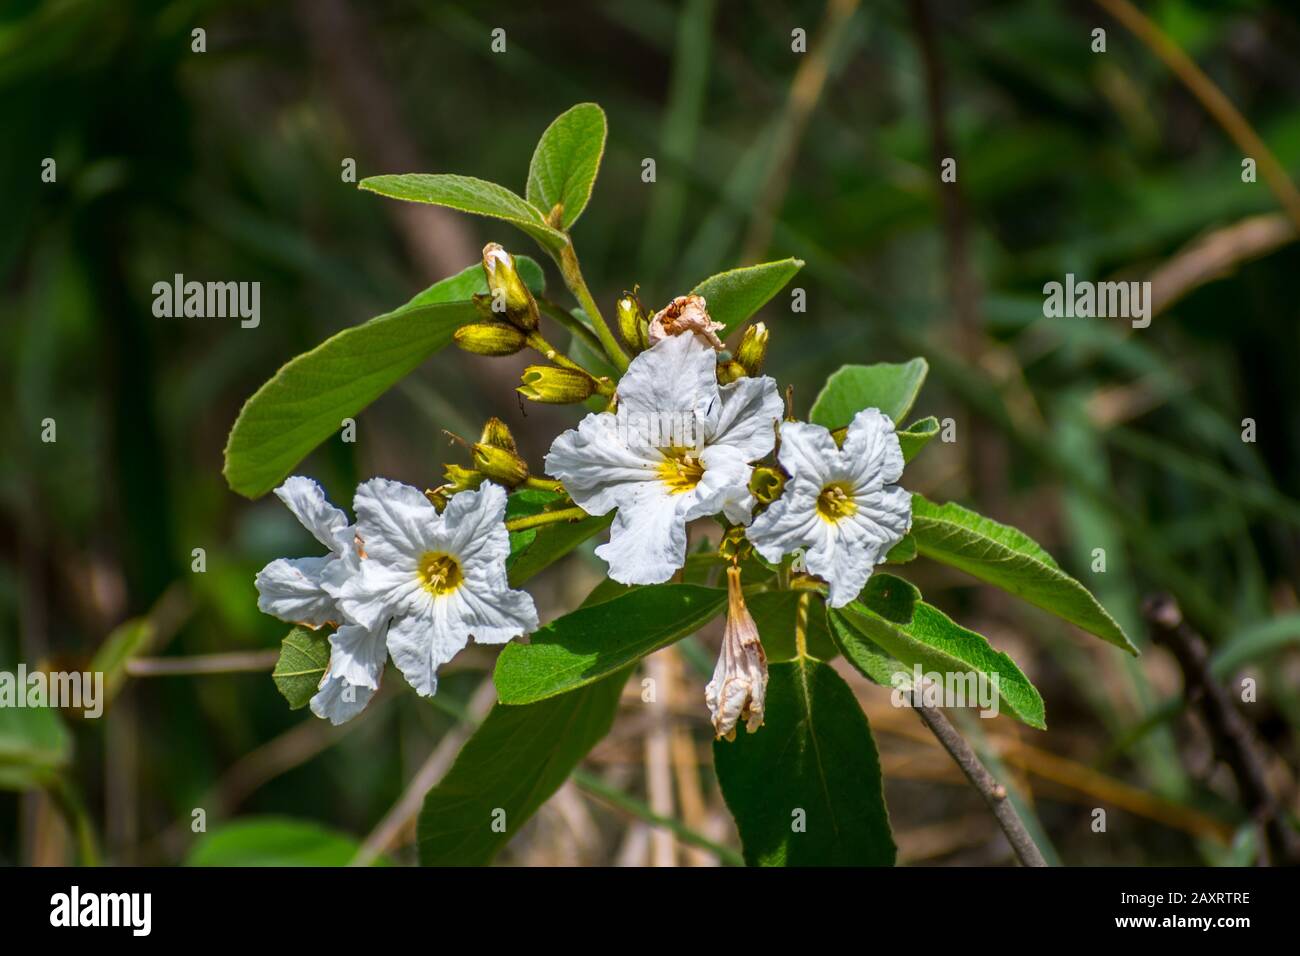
[
  {"x": 272, "y": 841},
  {"x": 565, "y": 163},
  {"x": 127, "y": 641},
  {"x": 813, "y": 763},
  {"x": 34, "y": 745},
  {"x": 1010, "y": 559},
  {"x": 890, "y": 617},
  {"x": 888, "y": 386},
  {"x": 512, "y": 764},
  {"x": 586, "y": 644},
  {"x": 535, "y": 549},
  {"x": 306, "y": 401},
  {"x": 736, "y": 295},
  {"x": 775, "y": 614}
]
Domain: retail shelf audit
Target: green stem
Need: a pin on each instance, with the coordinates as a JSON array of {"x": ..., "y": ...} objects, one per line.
[
  {"x": 543, "y": 484},
  {"x": 576, "y": 326},
  {"x": 545, "y": 518},
  {"x": 572, "y": 272}
]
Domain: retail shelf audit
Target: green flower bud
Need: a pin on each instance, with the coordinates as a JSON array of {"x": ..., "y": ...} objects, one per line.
[
  {"x": 555, "y": 386},
  {"x": 633, "y": 322},
  {"x": 490, "y": 338},
  {"x": 734, "y": 545},
  {"x": 461, "y": 479},
  {"x": 503, "y": 466},
  {"x": 497, "y": 434},
  {"x": 767, "y": 483},
  {"x": 508, "y": 288},
  {"x": 753, "y": 349},
  {"x": 729, "y": 372}
]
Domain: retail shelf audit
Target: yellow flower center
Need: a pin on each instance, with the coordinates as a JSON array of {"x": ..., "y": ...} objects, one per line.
[
  {"x": 439, "y": 573},
  {"x": 836, "y": 502},
  {"x": 680, "y": 470}
]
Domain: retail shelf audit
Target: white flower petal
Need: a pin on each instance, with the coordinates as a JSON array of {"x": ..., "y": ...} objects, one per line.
[
  {"x": 745, "y": 416},
  {"x": 338, "y": 701},
  {"x": 679, "y": 374},
  {"x": 357, "y": 657},
  {"x": 431, "y": 633},
  {"x": 724, "y": 486},
  {"x": 494, "y": 613},
  {"x": 872, "y": 453},
  {"x": 474, "y": 530},
  {"x": 395, "y": 522},
  {"x": 595, "y": 464},
  {"x": 290, "y": 589},
  {"x": 307, "y": 501},
  {"x": 376, "y": 591},
  {"x": 647, "y": 542},
  {"x": 790, "y": 522},
  {"x": 807, "y": 451}
]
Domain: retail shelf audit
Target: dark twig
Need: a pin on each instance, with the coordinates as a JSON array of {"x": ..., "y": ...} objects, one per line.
[
  {"x": 1234, "y": 741},
  {"x": 994, "y": 794}
]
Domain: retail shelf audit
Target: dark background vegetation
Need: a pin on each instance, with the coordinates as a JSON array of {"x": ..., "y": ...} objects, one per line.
[{"x": 225, "y": 165}]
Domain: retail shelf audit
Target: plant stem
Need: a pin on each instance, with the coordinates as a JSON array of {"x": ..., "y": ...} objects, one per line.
[
  {"x": 545, "y": 518},
  {"x": 1212, "y": 98},
  {"x": 236, "y": 663},
  {"x": 571, "y": 322},
  {"x": 994, "y": 794},
  {"x": 543, "y": 484},
  {"x": 572, "y": 272}
]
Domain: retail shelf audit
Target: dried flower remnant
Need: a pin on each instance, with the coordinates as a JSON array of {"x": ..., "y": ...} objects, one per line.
[
  {"x": 739, "y": 686},
  {"x": 686, "y": 313}
]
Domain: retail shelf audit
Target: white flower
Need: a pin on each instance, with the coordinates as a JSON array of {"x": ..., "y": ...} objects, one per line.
[
  {"x": 621, "y": 460},
  {"x": 435, "y": 580},
  {"x": 841, "y": 504},
  {"x": 739, "y": 686},
  {"x": 298, "y": 590}
]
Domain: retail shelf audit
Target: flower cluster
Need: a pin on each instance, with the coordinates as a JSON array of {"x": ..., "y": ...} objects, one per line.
[
  {"x": 683, "y": 437},
  {"x": 404, "y": 581}
]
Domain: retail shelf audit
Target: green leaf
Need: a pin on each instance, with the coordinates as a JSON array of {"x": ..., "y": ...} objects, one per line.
[
  {"x": 467, "y": 194},
  {"x": 736, "y": 295},
  {"x": 813, "y": 762},
  {"x": 917, "y": 435},
  {"x": 890, "y": 387},
  {"x": 565, "y": 162},
  {"x": 890, "y": 616},
  {"x": 775, "y": 614},
  {"x": 304, "y": 658},
  {"x": 34, "y": 745},
  {"x": 471, "y": 281},
  {"x": 272, "y": 841},
  {"x": 535, "y": 549},
  {"x": 586, "y": 644},
  {"x": 512, "y": 764},
  {"x": 306, "y": 401},
  {"x": 1011, "y": 560},
  {"x": 903, "y": 552}
]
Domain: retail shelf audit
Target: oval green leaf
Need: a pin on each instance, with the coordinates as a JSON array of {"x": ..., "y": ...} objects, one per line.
[
  {"x": 736, "y": 295},
  {"x": 890, "y": 387},
  {"x": 565, "y": 163}
]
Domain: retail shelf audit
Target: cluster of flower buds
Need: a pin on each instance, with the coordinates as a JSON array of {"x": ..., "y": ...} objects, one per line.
[
  {"x": 496, "y": 458},
  {"x": 749, "y": 358},
  {"x": 509, "y": 310}
]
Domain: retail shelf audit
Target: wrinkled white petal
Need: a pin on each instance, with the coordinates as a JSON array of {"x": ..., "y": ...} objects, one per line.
[
  {"x": 472, "y": 527},
  {"x": 871, "y": 449},
  {"x": 595, "y": 464},
  {"x": 745, "y": 415},
  {"x": 807, "y": 451},
  {"x": 647, "y": 542},
  {"x": 338, "y": 701},
  {"x": 290, "y": 589},
  {"x": 395, "y": 522},
  {"x": 306, "y": 500},
  {"x": 375, "y": 592},
  {"x": 357, "y": 657},
  {"x": 845, "y": 551},
  {"x": 724, "y": 486},
  {"x": 679, "y": 375},
  {"x": 790, "y": 522}
]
